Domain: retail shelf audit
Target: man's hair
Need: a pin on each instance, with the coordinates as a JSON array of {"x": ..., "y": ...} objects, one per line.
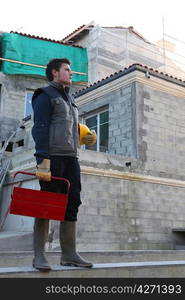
[{"x": 55, "y": 64}]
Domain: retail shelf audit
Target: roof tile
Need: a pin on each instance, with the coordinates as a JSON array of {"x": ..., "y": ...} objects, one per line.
[
  {"x": 44, "y": 39},
  {"x": 125, "y": 70}
]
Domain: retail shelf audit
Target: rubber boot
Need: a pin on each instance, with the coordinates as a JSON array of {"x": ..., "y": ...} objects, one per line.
[
  {"x": 69, "y": 256},
  {"x": 41, "y": 227}
]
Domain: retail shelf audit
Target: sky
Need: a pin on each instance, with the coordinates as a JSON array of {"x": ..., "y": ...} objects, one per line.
[{"x": 56, "y": 19}]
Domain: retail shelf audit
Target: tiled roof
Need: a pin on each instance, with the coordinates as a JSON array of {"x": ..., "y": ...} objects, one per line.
[
  {"x": 134, "y": 67},
  {"x": 44, "y": 39},
  {"x": 78, "y": 32}
]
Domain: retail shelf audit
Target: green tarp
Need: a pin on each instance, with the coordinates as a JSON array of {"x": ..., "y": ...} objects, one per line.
[{"x": 35, "y": 51}]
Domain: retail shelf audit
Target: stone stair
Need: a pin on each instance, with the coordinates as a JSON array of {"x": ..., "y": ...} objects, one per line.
[{"x": 119, "y": 264}]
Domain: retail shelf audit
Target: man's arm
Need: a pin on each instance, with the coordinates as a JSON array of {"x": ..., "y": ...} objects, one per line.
[{"x": 42, "y": 116}]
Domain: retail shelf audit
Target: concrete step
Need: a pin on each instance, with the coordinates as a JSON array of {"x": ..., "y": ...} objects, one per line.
[
  {"x": 150, "y": 269},
  {"x": 24, "y": 258}
]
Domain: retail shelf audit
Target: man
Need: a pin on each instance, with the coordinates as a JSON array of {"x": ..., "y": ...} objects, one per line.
[{"x": 56, "y": 136}]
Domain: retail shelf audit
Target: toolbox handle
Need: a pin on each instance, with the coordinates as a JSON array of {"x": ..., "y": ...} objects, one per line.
[
  {"x": 32, "y": 174},
  {"x": 52, "y": 177}
]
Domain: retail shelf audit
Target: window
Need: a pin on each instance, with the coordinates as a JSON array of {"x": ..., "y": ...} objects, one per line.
[
  {"x": 9, "y": 147},
  {"x": 28, "y": 105},
  {"x": 20, "y": 143},
  {"x": 100, "y": 123}
]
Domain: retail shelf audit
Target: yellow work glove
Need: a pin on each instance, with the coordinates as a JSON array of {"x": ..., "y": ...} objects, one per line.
[
  {"x": 43, "y": 170},
  {"x": 90, "y": 138}
]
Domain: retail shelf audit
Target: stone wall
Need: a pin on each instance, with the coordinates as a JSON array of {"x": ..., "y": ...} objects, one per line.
[
  {"x": 120, "y": 208},
  {"x": 12, "y": 100},
  {"x": 161, "y": 130},
  {"x": 12, "y": 106},
  {"x": 122, "y": 214},
  {"x": 120, "y": 104},
  {"x": 146, "y": 120}
]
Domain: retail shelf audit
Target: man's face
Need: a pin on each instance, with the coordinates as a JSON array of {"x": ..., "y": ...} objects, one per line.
[{"x": 63, "y": 75}]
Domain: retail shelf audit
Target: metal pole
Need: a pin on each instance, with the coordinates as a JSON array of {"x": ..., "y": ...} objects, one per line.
[{"x": 33, "y": 65}]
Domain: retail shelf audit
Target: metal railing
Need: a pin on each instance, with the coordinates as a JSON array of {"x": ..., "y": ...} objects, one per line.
[
  {"x": 3, "y": 171},
  {"x": 5, "y": 162}
]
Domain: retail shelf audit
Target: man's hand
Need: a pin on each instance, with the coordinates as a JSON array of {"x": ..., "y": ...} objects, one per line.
[
  {"x": 43, "y": 170},
  {"x": 90, "y": 138}
]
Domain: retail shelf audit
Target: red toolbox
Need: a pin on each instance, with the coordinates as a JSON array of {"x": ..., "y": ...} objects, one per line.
[{"x": 39, "y": 204}]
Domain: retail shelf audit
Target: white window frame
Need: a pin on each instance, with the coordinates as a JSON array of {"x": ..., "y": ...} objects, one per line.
[
  {"x": 98, "y": 113},
  {"x": 28, "y": 91}
]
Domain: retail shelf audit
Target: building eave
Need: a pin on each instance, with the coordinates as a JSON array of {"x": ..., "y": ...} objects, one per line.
[{"x": 135, "y": 67}]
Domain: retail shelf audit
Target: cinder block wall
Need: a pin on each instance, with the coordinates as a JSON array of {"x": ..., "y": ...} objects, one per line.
[
  {"x": 12, "y": 104},
  {"x": 161, "y": 130},
  {"x": 122, "y": 126},
  {"x": 119, "y": 214},
  {"x": 115, "y": 213},
  {"x": 125, "y": 214},
  {"x": 146, "y": 120},
  {"x": 12, "y": 99}
]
